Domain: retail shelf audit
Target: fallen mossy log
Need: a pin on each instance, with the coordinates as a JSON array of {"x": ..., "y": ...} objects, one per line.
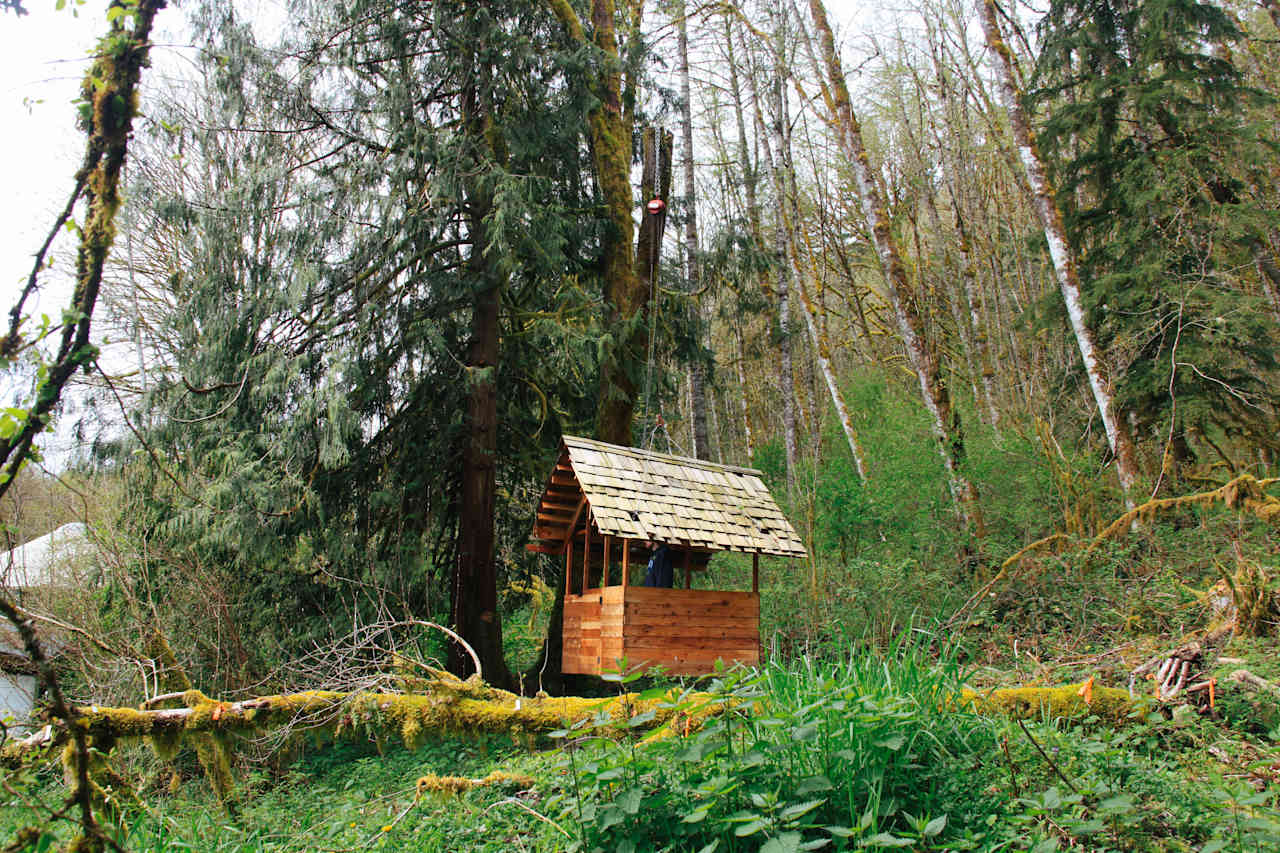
[
  {"x": 445, "y": 706},
  {"x": 474, "y": 708},
  {"x": 431, "y": 783},
  {"x": 1067, "y": 701}
]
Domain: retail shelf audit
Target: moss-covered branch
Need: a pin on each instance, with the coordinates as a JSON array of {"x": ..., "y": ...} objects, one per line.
[
  {"x": 444, "y": 705},
  {"x": 1245, "y": 493}
]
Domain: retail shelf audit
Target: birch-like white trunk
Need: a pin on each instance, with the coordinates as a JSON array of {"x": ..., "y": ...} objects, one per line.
[
  {"x": 823, "y": 352},
  {"x": 1064, "y": 264},
  {"x": 777, "y": 132}
]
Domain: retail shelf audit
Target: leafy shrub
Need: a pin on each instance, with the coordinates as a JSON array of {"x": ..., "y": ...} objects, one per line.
[{"x": 853, "y": 752}]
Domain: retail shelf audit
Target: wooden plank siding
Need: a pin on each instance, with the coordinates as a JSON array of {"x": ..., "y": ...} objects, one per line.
[
  {"x": 683, "y": 630},
  {"x": 592, "y": 631}
]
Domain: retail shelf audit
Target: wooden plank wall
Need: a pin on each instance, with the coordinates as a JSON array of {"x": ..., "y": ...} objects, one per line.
[
  {"x": 686, "y": 630},
  {"x": 592, "y": 640}
]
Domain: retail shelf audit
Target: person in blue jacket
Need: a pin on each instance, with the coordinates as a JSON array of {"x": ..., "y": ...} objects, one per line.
[{"x": 660, "y": 571}]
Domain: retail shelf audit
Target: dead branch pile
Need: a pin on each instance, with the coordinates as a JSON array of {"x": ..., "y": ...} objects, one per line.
[{"x": 1181, "y": 673}]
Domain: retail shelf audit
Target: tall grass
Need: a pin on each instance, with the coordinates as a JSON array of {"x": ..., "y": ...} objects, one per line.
[{"x": 863, "y": 749}]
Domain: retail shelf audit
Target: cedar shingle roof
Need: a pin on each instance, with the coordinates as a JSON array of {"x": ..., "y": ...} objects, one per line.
[{"x": 640, "y": 494}]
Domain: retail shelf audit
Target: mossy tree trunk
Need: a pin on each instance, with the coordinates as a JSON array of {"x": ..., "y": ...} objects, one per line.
[{"x": 610, "y": 128}]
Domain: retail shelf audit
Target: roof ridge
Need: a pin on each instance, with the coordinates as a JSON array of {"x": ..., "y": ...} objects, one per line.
[{"x": 662, "y": 457}]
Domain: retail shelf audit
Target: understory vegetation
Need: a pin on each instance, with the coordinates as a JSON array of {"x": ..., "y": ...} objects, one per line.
[
  {"x": 848, "y": 752},
  {"x": 850, "y": 736}
]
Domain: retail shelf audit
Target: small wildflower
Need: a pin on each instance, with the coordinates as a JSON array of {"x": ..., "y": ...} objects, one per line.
[{"x": 386, "y": 828}]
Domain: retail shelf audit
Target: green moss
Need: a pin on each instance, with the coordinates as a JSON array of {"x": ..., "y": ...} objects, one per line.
[
  {"x": 431, "y": 783},
  {"x": 214, "y": 752},
  {"x": 1066, "y": 701}
]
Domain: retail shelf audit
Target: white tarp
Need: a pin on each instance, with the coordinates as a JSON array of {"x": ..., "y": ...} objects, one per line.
[
  {"x": 55, "y": 559},
  {"x": 17, "y": 697}
]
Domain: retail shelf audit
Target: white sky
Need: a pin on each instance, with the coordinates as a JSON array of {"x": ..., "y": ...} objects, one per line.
[{"x": 43, "y": 56}]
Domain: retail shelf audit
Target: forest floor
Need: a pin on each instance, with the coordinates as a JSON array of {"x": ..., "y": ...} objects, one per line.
[{"x": 1165, "y": 778}]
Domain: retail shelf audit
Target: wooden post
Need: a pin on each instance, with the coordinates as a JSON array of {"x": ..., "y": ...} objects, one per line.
[
  {"x": 586, "y": 554},
  {"x": 568, "y": 567},
  {"x": 755, "y": 572},
  {"x": 626, "y": 565},
  {"x": 688, "y": 573},
  {"x": 568, "y": 546},
  {"x": 604, "y": 570}
]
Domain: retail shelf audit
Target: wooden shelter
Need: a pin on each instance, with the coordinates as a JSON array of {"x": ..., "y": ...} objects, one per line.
[{"x": 602, "y": 508}]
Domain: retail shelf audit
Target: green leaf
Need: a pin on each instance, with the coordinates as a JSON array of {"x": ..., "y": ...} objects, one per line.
[
  {"x": 698, "y": 815},
  {"x": 751, "y": 827},
  {"x": 1117, "y": 805},
  {"x": 1051, "y": 799},
  {"x": 793, "y": 812},
  {"x": 787, "y": 842},
  {"x": 1087, "y": 827},
  {"x": 610, "y": 817},
  {"x": 934, "y": 826},
  {"x": 812, "y": 785},
  {"x": 884, "y": 839},
  {"x": 893, "y": 744},
  {"x": 630, "y": 800}
]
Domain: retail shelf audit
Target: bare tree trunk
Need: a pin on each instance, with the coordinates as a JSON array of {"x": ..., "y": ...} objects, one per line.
[
  {"x": 1064, "y": 264},
  {"x": 933, "y": 388},
  {"x": 822, "y": 350},
  {"x": 753, "y": 219},
  {"x": 698, "y": 371},
  {"x": 981, "y": 341},
  {"x": 744, "y": 155},
  {"x": 475, "y": 614},
  {"x": 978, "y": 336},
  {"x": 745, "y": 406},
  {"x": 777, "y": 130},
  {"x": 655, "y": 183}
]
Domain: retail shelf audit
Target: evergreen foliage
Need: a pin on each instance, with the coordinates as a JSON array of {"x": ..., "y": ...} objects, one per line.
[
  {"x": 1159, "y": 148},
  {"x": 320, "y": 278}
]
